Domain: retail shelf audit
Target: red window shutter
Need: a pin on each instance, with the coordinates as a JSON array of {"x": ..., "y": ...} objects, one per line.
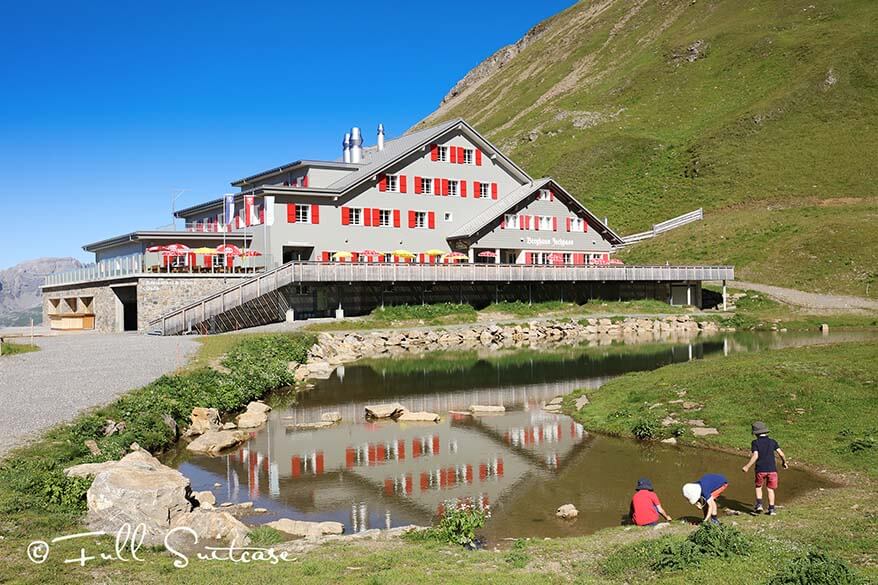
[
  {"x": 461, "y": 155},
  {"x": 325, "y": 256},
  {"x": 356, "y": 256},
  {"x": 305, "y": 181},
  {"x": 345, "y": 216},
  {"x": 208, "y": 260},
  {"x": 503, "y": 223},
  {"x": 402, "y": 184},
  {"x": 445, "y": 187},
  {"x": 478, "y": 158},
  {"x": 569, "y": 221},
  {"x": 551, "y": 195},
  {"x": 463, "y": 189},
  {"x": 419, "y": 186},
  {"x": 477, "y": 189},
  {"x": 431, "y": 220},
  {"x": 382, "y": 183},
  {"x": 376, "y": 217},
  {"x": 315, "y": 214},
  {"x": 584, "y": 225},
  {"x": 396, "y": 221},
  {"x": 554, "y": 224},
  {"x": 522, "y": 222},
  {"x": 493, "y": 190},
  {"x": 529, "y": 258},
  {"x": 291, "y": 213},
  {"x": 367, "y": 217},
  {"x": 434, "y": 152},
  {"x": 411, "y": 218},
  {"x": 452, "y": 154}
]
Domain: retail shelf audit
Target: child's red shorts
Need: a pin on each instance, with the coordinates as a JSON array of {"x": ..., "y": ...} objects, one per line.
[{"x": 767, "y": 478}]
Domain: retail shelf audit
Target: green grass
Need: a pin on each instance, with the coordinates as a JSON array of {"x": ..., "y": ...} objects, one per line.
[
  {"x": 403, "y": 316},
  {"x": 10, "y": 348},
  {"x": 757, "y": 131},
  {"x": 820, "y": 402}
]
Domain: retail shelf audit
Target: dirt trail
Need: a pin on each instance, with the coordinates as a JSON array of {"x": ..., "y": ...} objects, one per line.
[{"x": 807, "y": 300}]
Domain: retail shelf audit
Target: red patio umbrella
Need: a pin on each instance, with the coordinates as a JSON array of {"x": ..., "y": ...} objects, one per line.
[
  {"x": 158, "y": 248},
  {"x": 229, "y": 249},
  {"x": 178, "y": 248}
]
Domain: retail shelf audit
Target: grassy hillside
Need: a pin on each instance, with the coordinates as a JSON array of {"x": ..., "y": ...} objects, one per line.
[{"x": 762, "y": 112}]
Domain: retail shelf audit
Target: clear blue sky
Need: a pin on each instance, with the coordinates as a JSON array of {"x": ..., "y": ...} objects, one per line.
[{"x": 106, "y": 108}]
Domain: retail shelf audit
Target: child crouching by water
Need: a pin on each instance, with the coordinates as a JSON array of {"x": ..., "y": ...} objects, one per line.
[
  {"x": 703, "y": 494},
  {"x": 645, "y": 505}
]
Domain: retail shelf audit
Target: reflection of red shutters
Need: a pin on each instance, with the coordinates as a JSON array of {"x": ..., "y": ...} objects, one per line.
[
  {"x": 396, "y": 218},
  {"x": 434, "y": 152},
  {"x": 452, "y": 153},
  {"x": 554, "y": 224},
  {"x": 503, "y": 223},
  {"x": 584, "y": 225},
  {"x": 291, "y": 213},
  {"x": 382, "y": 183},
  {"x": 568, "y": 224},
  {"x": 493, "y": 190},
  {"x": 463, "y": 189},
  {"x": 345, "y": 216},
  {"x": 402, "y": 184},
  {"x": 478, "y": 158},
  {"x": 522, "y": 222},
  {"x": 431, "y": 220},
  {"x": 477, "y": 189},
  {"x": 551, "y": 196},
  {"x": 411, "y": 218},
  {"x": 315, "y": 214},
  {"x": 419, "y": 186},
  {"x": 528, "y": 258}
]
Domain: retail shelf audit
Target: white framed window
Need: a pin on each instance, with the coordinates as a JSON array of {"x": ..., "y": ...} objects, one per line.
[
  {"x": 427, "y": 186},
  {"x": 545, "y": 195},
  {"x": 420, "y": 219},
  {"x": 448, "y": 216},
  {"x": 545, "y": 223},
  {"x": 384, "y": 217},
  {"x": 568, "y": 258},
  {"x": 469, "y": 157},
  {"x": 484, "y": 189},
  {"x": 576, "y": 224},
  {"x": 392, "y": 183},
  {"x": 218, "y": 260},
  {"x": 511, "y": 221},
  {"x": 303, "y": 213},
  {"x": 453, "y": 190},
  {"x": 356, "y": 216},
  {"x": 443, "y": 153}
]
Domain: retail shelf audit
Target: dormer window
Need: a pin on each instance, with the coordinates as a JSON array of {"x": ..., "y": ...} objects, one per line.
[
  {"x": 392, "y": 183},
  {"x": 545, "y": 195}
]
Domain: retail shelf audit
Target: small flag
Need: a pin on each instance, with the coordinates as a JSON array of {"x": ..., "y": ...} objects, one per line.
[{"x": 229, "y": 208}]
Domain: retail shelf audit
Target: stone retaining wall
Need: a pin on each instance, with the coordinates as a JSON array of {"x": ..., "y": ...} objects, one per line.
[{"x": 333, "y": 349}]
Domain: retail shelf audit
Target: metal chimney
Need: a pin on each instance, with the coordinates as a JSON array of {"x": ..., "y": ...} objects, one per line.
[
  {"x": 346, "y": 147},
  {"x": 356, "y": 145},
  {"x": 380, "y": 137}
]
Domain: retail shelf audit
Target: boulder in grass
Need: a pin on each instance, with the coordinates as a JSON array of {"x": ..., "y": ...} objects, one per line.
[
  {"x": 422, "y": 416},
  {"x": 215, "y": 525},
  {"x": 309, "y": 529},
  {"x": 213, "y": 442},
  {"x": 389, "y": 410},
  {"x": 138, "y": 489},
  {"x": 704, "y": 431}
]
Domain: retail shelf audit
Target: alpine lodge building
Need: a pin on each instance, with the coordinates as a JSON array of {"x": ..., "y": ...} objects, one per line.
[{"x": 437, "y": 215}]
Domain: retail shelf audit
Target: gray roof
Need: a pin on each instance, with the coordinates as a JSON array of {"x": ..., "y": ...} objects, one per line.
[
  {"x": 335, "y": 164},
  {"x": 515, "y": 197},
  {"x": 151, "y": 235}
]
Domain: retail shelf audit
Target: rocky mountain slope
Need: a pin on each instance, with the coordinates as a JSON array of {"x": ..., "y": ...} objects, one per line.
[
  {"x": 761, "y": 111},
  {"x": 20, "y": 288}
]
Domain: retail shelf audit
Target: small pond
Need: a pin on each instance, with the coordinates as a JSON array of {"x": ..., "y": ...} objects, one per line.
[{"x": 523, "y": 464}]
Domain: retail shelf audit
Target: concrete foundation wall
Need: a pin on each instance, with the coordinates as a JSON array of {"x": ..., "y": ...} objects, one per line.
[{"x": 157, "y": 296}]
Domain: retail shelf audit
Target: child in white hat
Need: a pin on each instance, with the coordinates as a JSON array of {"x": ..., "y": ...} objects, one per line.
[{"x": 703, "y": 493}]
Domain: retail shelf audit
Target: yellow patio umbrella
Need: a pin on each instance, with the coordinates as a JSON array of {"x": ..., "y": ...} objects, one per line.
[
  {"x": 342, "y": 255},
  {"x": 203, "y": 251},
  {"x": 403, "y": 254},
  {"x": 434, "y": 252}
]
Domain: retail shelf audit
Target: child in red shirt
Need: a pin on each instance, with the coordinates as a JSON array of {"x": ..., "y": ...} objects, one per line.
[{"x": 645, "y": 505}]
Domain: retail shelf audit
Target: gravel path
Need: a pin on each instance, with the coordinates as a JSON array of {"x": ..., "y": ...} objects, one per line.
[
  {"x": 831, "y": 303},
  {"x": 75, "y": 372}
]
